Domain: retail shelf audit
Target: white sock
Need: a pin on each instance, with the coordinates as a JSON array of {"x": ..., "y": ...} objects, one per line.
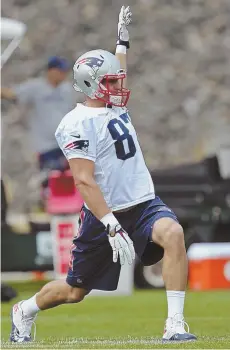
[
  {"x": 29, "y": 307},
  {"x": 175, "y": 302}
]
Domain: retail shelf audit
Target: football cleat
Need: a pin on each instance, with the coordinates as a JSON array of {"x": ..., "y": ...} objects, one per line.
[
  {"x": 175, "y": 330},
  {"x": 21, "y": 325}
]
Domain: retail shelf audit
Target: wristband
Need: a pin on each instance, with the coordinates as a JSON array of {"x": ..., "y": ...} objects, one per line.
[
  {"x": 109, "y": 219},
  {"x": 123, "y": 43}
]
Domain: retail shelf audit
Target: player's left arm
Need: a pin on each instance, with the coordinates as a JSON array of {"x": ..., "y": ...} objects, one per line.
[{"x": 125, "y": 17}]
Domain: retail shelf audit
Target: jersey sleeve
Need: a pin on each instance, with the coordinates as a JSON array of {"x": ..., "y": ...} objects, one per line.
[{"x": 78, "y": 141}]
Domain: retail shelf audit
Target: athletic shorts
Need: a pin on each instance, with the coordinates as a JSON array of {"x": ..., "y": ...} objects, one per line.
[{"x": 91, "y": 263}]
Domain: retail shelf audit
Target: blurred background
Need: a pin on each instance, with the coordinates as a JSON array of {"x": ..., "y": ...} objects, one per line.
[{"x": 178, "y": 71}]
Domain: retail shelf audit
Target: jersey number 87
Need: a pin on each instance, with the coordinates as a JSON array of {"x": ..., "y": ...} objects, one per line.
[{"x": 114, "y": 126}]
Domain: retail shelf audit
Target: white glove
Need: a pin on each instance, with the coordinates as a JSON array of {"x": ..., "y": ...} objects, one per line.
[
  {"x": 121, "y": 244},
  {"x": 125, "y": 17}
]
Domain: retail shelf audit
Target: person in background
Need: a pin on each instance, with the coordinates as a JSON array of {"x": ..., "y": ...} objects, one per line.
[{"x": 50, "y": 97}]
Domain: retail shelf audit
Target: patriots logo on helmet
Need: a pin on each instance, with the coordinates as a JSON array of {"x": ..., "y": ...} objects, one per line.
[
  {"x": 92, "y": 62},
  {"x": 82, "y": 145}
]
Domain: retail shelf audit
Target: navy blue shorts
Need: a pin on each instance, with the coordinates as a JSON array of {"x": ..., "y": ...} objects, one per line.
[{"x": 91, "y": 264}]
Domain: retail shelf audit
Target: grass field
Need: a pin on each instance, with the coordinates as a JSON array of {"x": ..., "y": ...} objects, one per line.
[{"x": 134, "y": 322}]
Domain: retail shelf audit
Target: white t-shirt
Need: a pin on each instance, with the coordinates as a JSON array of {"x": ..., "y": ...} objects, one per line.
[{"x": 107, "y": 137}]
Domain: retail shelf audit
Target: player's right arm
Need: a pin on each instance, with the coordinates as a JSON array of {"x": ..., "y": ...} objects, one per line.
[
  {"x": 79, "y": 146},
  {"x": 78, "y": 142},
  {"x": 83, "y": 173}
]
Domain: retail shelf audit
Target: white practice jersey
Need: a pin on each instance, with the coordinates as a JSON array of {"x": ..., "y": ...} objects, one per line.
[{"x": 107, "y": 137}]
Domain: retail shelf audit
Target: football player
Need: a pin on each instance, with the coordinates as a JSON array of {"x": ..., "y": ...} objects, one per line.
[{"x": 121, "y": 215}]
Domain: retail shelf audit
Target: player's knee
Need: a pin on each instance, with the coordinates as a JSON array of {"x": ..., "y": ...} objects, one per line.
[
  {"x": 174, "y": 237},
  {"x": 76, "y": 295},
  {"x": 168, "y": 234}
]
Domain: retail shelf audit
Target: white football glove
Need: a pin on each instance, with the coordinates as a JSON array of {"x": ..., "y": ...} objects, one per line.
[
  {"x": 125, "y": 17},
  {"x": 121, "y": 244}
]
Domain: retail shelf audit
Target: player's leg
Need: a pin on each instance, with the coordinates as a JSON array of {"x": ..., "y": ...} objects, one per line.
[
  {"x": 168, "y": 233},
  {"x": 91, "y": 267},
  {"x": 52, "y": 294},
  {"x": 159, "y": 224}
]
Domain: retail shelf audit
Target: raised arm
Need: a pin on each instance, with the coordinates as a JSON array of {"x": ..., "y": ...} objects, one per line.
[{"x": 125, "y": 17}]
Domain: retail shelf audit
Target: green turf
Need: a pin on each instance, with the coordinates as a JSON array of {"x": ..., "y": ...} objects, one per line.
[{"x": 134, "y": 322}]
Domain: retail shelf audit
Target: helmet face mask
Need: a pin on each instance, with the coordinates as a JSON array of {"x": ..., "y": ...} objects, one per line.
[
  {"x": 94, "y": 73},
  {"x": 116, "y": 97}
]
